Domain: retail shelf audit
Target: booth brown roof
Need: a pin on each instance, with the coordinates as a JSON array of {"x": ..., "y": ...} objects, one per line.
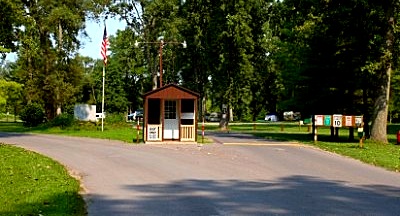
[{"x": 172, "y": 91}]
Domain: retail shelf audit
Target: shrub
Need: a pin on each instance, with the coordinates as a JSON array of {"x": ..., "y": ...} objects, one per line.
[
  {"x": 32, "y": 115},
  {"x": 115, "y": 118},
  {"x": 63, "y": 120}
]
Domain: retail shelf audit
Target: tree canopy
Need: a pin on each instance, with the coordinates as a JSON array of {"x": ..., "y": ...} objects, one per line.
[{"x": 251, "y": 57}]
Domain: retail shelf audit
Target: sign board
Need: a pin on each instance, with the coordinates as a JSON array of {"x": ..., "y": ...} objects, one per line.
[
  {"x": 319, "y": 120},
  {"x": 85, "y": 112},
  {"x": 187, "y": 115},
  {"x": 327, "y": 120},
  {"x": 358, "y": 121},
  {"x": 348, "y": 121},
  {"x": 153, "y": 133},
  {"x": 337, "y": 120}
]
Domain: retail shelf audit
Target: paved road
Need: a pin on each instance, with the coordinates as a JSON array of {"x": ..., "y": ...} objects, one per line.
[{"x": 226, "y": 178}]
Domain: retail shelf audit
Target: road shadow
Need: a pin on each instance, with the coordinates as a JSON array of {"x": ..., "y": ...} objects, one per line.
[
  {"x": 237, "y": 136},
  {"x": 12, "y": 134},
  {"x": 294, "y": 195}
]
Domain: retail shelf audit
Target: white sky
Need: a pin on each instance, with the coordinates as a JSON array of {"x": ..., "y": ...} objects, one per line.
[{"x": 91, "y": 46}]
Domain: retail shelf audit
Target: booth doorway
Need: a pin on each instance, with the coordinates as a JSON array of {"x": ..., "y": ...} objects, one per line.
[{"x": 171, "y": 121}]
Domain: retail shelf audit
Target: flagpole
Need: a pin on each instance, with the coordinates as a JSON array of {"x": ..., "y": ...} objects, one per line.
[
  {"x": 104, "y": 45},
  {"x": 102, "y": 101}
]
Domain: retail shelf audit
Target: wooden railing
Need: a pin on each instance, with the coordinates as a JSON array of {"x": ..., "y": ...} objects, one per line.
[
  {"x": 154, "y": 132},
  {"x": 188, "y": 133}
]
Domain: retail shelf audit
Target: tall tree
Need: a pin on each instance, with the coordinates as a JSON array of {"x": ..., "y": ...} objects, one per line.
[
  {"x": 11, "y": 14},
  {"x": 48, "y": 45},
  {"x": 383, "y": 66}
]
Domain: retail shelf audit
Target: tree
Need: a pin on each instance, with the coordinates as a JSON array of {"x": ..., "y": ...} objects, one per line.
[
  {"x": 383, "y": 66},
  {"x": 49, "y": 70},
  {"x": 10, "y": 96},
  {"x": 11, "y": 18}
]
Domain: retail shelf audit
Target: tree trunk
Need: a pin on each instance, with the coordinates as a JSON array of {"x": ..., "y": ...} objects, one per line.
[
  {"x": 60, "y": 35},
  {"x": 223, "y": 124},
  {"x": 379, "y": 118}
]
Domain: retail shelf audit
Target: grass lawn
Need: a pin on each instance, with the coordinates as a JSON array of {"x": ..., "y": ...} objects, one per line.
[
  {"x": 31, "y": 184},
  {"x": 126, "y": 132},
  {"x": 383, "y": 155}
]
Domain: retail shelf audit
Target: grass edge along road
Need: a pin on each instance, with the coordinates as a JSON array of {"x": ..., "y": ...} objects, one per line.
[
  {"x": 32, "y": 184},
  {"x": 387, "y": 156},
  {"x": 378, "y": 154},
  {"x": 125, "y": 132}
]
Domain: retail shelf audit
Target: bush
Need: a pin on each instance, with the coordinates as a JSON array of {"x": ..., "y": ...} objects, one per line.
[
  {"x": 32, "y": 115},
  {"x": 115, "y": 118},
  {"x": 63, "y": 120}
]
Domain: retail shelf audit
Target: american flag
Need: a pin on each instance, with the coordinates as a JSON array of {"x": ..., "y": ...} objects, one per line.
[{"x": 104, "y": 45}]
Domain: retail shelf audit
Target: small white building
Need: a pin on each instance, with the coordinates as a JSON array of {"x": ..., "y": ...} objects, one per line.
[{"x": 85, "y": 112}]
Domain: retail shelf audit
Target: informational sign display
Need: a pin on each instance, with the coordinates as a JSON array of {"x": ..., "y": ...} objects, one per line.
[
  {"x": 358, "y": 121},
  {"x": 153, "y": 133},
  {"x": 337, "y": 120},
  {"x": 348, "y": 121},
  {"x": 327, "y": 120},
  {"x": 319, "y": 120}
]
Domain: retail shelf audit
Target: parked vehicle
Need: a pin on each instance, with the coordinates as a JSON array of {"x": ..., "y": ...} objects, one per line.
[
  {"x": 291, "y": 116},
  {"x": 131, "y": 116},
  {"x": 207, "y": 117},
  {"x": 272, "y": 117},
  {"x": 138, "y": 114},
  {"x": 100, "y": 116},
  {"x": 135, "y": 115},
  {"x": 214, "y": 117}
]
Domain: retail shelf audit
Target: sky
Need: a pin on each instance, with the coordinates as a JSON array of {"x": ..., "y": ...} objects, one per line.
[{"x": 91, "y": 46}]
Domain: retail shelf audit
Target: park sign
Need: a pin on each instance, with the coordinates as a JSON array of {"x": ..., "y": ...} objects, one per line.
[
  {"x": 327, "y": 120},
  {"x": 338, "y": 120},
  {"x": 319, "y": 120},
  {"x": 349, "y": 121},
  {"x": 358, "y": 121}
]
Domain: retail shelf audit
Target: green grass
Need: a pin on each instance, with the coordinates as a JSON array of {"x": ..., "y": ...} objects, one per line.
[
  {"x": 126, "y": 132},
  {"x": 383, "y": 155},
  {"x": 387, "y": 156},
  {"x": 31, "y": 184},
  {"x": 9, "y": 118}
]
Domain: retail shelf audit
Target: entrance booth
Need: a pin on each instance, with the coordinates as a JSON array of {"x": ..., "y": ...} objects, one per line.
[{"x": 170, "y": 114}]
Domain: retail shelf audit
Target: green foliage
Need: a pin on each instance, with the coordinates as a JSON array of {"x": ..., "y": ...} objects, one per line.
[
  {"x": 48, "y": 43},
  {"x": 31, "y": 184},
  {"x": 255, "y": 56},
  {"x": 115, "y": 118},
  {"x": 63, "y": 120},
  {"x": 32, "y": 115}
]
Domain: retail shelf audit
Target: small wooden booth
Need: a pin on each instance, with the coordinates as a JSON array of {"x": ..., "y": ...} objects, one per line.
[{"x": 170, "y": 114}]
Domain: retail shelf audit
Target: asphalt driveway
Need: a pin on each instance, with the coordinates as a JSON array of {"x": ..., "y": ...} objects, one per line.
[{"x": 225, "y": 178}]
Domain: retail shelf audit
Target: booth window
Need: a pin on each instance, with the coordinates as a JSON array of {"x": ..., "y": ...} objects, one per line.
[
  {"x": 187, "y": 106},
  {"x": 154, "y": 111},
  {"x": 170, "y": 109}
]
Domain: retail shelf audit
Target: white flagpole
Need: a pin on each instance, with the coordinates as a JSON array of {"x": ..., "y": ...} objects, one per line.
[{"x": 102, "y": 101}]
